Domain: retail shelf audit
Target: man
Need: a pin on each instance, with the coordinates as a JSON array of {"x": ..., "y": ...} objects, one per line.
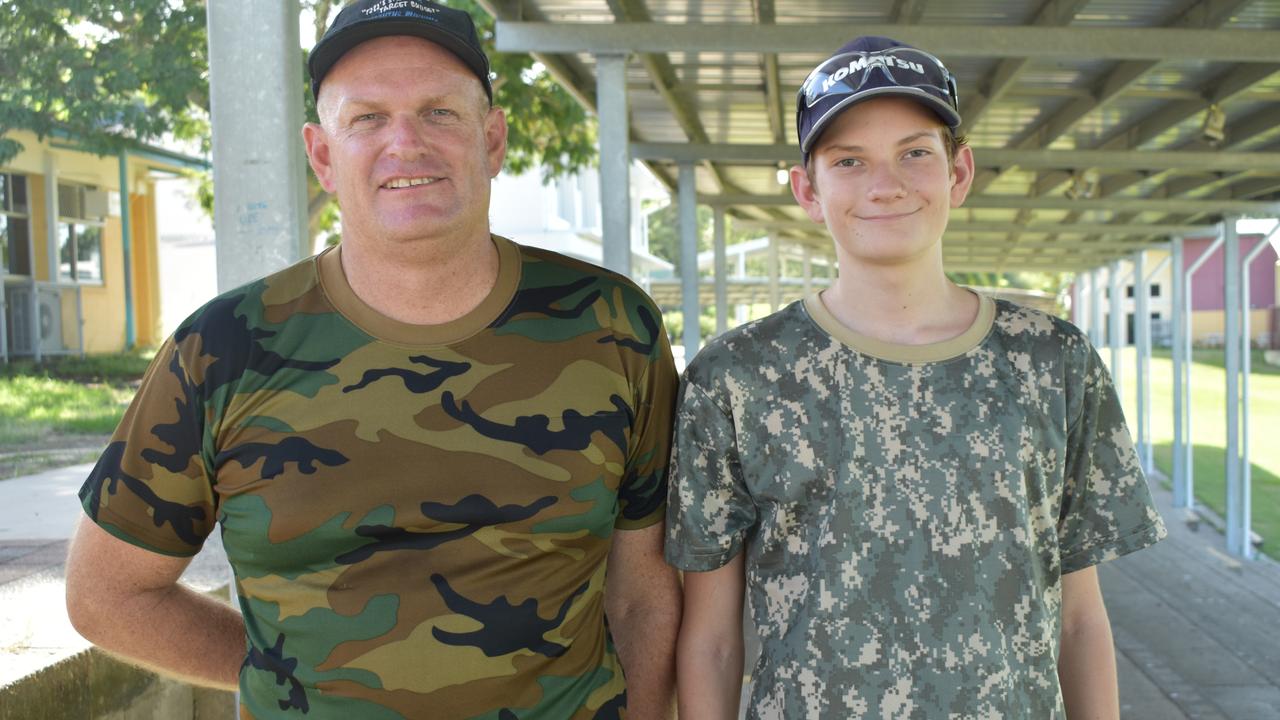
[
  {"x": 915, "y": 482},
  {"x": 423, "y": 447}
]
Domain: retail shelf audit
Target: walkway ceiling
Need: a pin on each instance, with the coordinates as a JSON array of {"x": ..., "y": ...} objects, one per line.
[{"x": 1086, "y": 117}]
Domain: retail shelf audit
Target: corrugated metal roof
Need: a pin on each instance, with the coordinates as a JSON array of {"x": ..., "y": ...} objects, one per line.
[{"x": 731, "y": 105}]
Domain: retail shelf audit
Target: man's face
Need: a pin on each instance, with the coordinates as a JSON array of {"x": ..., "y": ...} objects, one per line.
[
  {"x": 882, "y": 183},
  {"x": 406, "y": 141}
]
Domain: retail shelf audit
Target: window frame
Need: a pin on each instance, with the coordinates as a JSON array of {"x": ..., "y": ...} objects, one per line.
[
  {"x": 67, "y": 224},
  {"x": 7, "y": 211}
]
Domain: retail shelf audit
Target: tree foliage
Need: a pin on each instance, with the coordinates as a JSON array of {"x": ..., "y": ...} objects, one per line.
[{"x": 105, "y": 72}]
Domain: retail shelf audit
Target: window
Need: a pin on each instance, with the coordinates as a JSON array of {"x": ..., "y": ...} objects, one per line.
[
  {"x": 1155, "y": 290},
  {"x": 15, "y": 225},
  {"x": 81, "y": 212}
]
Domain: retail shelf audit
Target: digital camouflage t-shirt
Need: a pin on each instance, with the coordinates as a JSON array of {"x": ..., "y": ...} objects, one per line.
[
  {"x": 418, "y": 517},
  {"x": 907, "y": 513}
]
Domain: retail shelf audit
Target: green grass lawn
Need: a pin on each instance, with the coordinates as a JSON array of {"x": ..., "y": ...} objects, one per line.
[
  {"x": 66, "y": 396},
  {"x": 1209, "y": 430}
]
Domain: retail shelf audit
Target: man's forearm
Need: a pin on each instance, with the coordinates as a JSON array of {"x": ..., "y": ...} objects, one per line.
[
  {"x": 646, "y": 643},
  {"x": 173, "y": 631}
]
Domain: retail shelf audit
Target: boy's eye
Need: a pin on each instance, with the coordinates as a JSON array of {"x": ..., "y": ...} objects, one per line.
[
  {"x": 846, "y": 162},
  {"x": 917, "y": 152}
]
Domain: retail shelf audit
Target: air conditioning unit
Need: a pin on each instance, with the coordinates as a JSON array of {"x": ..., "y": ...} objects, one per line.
[
  {"x": 47, "y": 327},
  {"x": 18, "y": 320},
  {"x": 50, "y": 318}
]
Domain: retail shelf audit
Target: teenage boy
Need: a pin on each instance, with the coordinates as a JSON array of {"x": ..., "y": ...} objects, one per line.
[{"x": 914, "y": 481}]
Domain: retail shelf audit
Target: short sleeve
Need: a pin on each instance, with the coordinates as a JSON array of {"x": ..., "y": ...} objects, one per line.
[
  {"x": 709, "y": 510},
  {"x": 1106, "y": 509},
  {"x": 643, "y": 489},
  {"x": 151, "y": 486}
]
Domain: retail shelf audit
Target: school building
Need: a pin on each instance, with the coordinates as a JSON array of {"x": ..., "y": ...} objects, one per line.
[{"x": 78, "y": 246}]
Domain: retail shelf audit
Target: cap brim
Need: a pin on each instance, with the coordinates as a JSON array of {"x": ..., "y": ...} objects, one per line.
[
  {"x": 945, "y": 112},
  {"x": 327, "y": 54}
]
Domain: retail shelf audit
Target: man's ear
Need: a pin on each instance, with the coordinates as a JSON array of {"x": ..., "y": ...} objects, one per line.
[
  {"x": 495, "y": 139},
  {"x": 806, "y": 194},
  {"x": 961, "y": 175},
  {"x": 317, "y": 142}
]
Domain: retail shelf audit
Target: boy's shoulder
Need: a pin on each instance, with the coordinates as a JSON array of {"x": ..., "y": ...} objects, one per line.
[
  {"x": 776, "y": 339},
  {"x": 1034, "y": 329}
]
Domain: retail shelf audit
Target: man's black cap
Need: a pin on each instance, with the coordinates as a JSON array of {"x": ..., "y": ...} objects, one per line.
[{"x": 364, "y": 20}]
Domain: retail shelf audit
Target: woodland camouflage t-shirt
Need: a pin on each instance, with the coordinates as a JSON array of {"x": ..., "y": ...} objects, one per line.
[
  {"x": 907, "y": 513},
  {"x": 418, "y": 516}
]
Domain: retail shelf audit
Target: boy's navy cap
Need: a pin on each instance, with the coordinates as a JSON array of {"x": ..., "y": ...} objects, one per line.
[
  {"x": 364, "y": 20},
  {"x": 867, "y": 67}
]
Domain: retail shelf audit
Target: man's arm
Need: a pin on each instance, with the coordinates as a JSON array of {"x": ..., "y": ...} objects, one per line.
[
  {"x": 127, "y": 601},
  {"x": 1087, "y": 659},
  {"x": 710, "y": 651},
  {"x": 642, "y": 601}
]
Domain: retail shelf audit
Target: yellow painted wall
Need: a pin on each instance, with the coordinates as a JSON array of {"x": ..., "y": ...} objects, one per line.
[
  {"x": 1209, "y": 325},
  {"x": 35, "y": 197},
  {"x": 146, "y": 272},
  {"x": 103, "y": 305}
]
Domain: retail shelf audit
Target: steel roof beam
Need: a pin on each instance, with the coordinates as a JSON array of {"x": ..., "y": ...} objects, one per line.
[
  {"x": 1003, "y": 202},
  {"x": 1070, "y": 43},
  {"x": 995, "y": 85},
  {"x": 977, "y": 226},
  {"x": 1148, "y": 160}
]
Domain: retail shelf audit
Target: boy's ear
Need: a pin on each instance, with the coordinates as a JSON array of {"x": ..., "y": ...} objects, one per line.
[
  {"x": 806, "y": 194},
  {"x": 961, "y": 175}
]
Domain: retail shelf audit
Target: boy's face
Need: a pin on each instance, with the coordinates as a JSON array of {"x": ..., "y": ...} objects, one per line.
[{"x": 882, "y": 183}]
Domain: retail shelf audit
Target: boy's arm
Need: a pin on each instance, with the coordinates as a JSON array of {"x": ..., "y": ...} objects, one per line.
[
  {"x": 1087, "y": 659},
  {"x": 709, "y": 652}
]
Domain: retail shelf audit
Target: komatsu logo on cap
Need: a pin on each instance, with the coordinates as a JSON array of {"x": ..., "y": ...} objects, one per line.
[
  {"x": 862, "y": 63},
  {"x": 388, "y": 5}
]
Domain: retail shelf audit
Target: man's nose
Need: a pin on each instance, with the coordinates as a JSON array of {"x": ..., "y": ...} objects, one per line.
[{"x": 407, "y": 136}]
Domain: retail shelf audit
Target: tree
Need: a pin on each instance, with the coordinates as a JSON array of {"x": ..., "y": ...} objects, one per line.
[
  {"x": 110, "y": 73},
  {"x": 105, "y": 72}
]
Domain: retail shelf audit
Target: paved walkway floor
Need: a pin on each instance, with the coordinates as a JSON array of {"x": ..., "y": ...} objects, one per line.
[
  {"x": 1197, "y": 632},
  {"x": 37, "y": 516}
]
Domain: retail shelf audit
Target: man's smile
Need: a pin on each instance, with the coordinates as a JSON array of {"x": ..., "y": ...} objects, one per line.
[{"x": 405, "y": 182}]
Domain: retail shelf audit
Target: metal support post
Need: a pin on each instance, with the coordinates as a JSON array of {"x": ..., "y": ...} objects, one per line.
[
  {"x": 1237, "y": 536},
  {"x": 688, "y": 209},
  {"x": 1188, "y": 467},
  {"x": 1096, "y": 328},
  {"x": 721, "y": 273},
  {"x": 1146, "y": 453},
  {"x": 807, "y": 260},
  {"x": 615, "y": 161},
  {"x": 1246, "y": 469},
  {"x": 775, "y": 275},
  {"x": 259, "y": 162},
  {"x": 1177, "y": 302},
  {"x": 1115, "y": 315},
  {"x": 1077, "y": 310},
  {"x": 1142, "y": 348}
]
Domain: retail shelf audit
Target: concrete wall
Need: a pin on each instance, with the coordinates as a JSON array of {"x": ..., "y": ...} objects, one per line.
[{"x": 95, "y": 686}]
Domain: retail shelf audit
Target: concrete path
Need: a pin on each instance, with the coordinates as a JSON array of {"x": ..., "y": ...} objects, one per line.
[
  {"x": 38, "y": 514},
  {"x": 1197, "y": 633}
]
